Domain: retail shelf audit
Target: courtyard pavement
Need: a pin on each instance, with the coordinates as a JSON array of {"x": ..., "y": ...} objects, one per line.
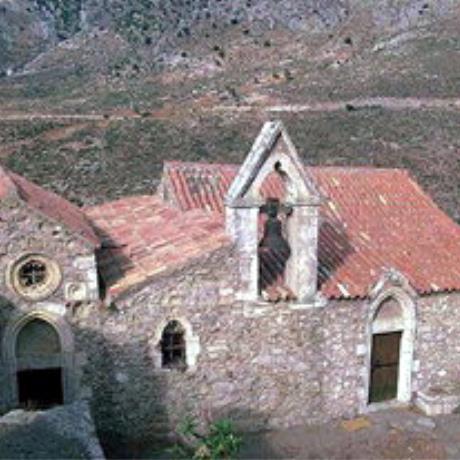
[{"x": 393, "y": 434}]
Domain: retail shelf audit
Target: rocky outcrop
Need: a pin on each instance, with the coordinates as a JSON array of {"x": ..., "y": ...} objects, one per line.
[{"x": 62, "y": 432}]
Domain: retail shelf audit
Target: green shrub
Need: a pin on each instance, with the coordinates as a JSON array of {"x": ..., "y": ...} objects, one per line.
[{"x": 219, "y": 442}]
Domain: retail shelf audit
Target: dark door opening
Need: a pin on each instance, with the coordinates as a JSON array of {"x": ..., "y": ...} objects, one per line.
[
  {"x": 384, "y": 367},
  {"x": 40, "y": 388}
]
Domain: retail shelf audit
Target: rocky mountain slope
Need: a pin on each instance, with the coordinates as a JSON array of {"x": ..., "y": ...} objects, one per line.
[{"x": 30, "y": 27}]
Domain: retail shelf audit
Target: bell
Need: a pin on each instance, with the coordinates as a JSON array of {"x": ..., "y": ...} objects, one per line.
[
  {"x": 273, "y": 238},
  {"x": 274, "y": 250}
]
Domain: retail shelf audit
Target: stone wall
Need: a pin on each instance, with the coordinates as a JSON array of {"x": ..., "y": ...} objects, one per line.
[
  {"x": 23, "y": 231},
  {"x": 438, "y": 342},
  {"x": 62, "y": 432},
  {"x": 262, "y": 364}
]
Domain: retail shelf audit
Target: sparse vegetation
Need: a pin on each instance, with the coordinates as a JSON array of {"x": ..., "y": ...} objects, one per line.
[
  {"x": 220, "y": 441},
  {"x": 173, "y": 94}
]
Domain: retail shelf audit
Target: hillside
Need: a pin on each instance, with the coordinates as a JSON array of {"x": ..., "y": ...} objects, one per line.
[{"x": 194, "y": 80}]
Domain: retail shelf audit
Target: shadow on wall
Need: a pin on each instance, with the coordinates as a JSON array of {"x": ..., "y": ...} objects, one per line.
[
  {"x": 127, "y": 397},
  {"x": 111, "y": 261},
  {"x": 133, "y": 406},
  {"x": 132, "y": 414}
]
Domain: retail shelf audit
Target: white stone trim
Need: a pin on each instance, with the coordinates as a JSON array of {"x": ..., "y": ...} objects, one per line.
[
  {"x": 318, "y": 301},
  {"x": 407, "y": 326},
  {"x": 385, "y": 405},
  {"x": 192, "y": 344},
  {"x": 88, "y": 290}
]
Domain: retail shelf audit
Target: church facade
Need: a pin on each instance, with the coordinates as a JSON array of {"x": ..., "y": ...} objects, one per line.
[{"x": 272, "y": 293}]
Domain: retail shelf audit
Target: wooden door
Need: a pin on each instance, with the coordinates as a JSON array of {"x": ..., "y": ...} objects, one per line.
[{"x": 384, "y": 367}]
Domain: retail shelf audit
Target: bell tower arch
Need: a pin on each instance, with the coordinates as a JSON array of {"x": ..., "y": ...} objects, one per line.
[{"x": 273, "y": 153}]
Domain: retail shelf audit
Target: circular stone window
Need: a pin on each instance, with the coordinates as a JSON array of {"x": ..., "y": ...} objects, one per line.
[{"x": 34, "y": 276}]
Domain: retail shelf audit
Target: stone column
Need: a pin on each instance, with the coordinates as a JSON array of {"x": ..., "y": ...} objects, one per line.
[
  {"x": 242, "y": 226},
  {"x": 302, "y": 266}
]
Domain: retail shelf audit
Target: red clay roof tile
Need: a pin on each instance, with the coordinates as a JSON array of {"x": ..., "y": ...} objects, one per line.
[
  {"x": 371, "y": 220},
  {"x": 145, "y": 237}
]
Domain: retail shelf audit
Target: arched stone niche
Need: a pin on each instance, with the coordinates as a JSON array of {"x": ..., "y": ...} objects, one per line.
[
  {"x": 393, "y": 310},
  {"x": 38, "y": 340}
]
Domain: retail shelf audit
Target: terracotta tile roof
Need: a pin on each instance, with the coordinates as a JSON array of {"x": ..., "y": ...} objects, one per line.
[
  {"x": 49, "y": 204},
  {"x": 142, "y": 237},
  {"x": 371, "y": 220}
]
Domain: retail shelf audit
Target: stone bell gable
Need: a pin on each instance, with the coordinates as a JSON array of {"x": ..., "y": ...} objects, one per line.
[{"x": 273, "y": 153}]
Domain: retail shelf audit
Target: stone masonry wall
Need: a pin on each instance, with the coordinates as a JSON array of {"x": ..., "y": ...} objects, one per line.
[
  {"x": 438, "y": 341},
  {"x": 262, "y": 364},
  {"x": 23, "y": 231}
]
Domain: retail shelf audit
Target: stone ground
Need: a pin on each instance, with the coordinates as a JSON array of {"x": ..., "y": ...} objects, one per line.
[{"x": 394, "y": 434}]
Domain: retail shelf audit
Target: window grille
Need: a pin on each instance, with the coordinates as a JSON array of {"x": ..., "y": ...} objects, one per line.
[
  {"x": 32, "y": 274},
  {"x": 173, "y": 346}
]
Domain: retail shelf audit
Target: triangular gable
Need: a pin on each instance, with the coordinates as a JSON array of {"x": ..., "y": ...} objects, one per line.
[
  {"x": 48, "y": 205},
  {"x": 272, "y": 150}
]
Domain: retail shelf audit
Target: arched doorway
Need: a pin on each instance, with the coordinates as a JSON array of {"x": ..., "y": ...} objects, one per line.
[
  {"x": 39, "y": 366},
  {"x": 392, "y": 332},
  {"x": 38, "y": 352}
]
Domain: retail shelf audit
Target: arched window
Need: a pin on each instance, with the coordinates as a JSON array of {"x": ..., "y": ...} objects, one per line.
[{"x": 173, "y": 346}]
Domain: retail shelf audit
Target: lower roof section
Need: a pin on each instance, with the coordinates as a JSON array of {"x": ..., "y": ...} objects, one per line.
[{"x": 143, "y": 237}]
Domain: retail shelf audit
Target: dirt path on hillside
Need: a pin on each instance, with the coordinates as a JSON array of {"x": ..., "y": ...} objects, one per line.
[{"x": 389, "y": 103}]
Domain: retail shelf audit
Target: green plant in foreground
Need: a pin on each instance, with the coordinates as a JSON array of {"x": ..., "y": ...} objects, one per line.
[{"x": 220, "y": 441}]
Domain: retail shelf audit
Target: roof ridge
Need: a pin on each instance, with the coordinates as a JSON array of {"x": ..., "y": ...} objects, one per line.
[
  {"x": 354, "y": 168},
  {"x": 199, "y": 164},
  {"x": 53, "y": 206}
]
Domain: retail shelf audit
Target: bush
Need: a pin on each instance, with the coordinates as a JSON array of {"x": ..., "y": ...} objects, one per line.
[{"x": 219, "y": 442}]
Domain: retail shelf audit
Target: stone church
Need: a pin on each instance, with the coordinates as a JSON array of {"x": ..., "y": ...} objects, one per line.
[{"x": 273, "y": 293}]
